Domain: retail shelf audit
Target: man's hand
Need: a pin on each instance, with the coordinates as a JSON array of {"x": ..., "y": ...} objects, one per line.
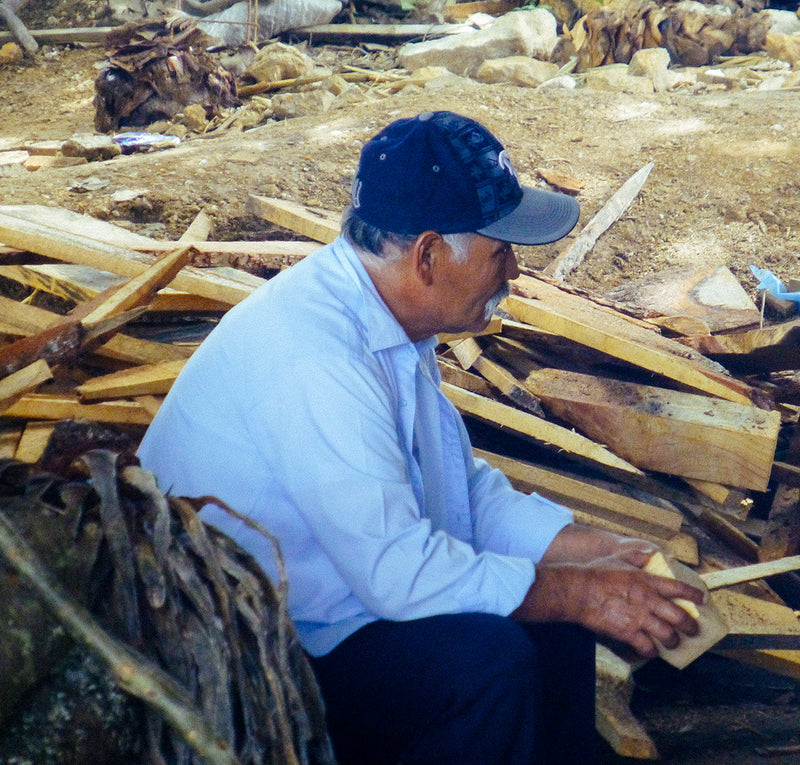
[{"x": 607, "y": 592}]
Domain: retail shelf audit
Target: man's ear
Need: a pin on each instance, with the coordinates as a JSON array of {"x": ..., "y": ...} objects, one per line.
[{"x": 426, "y": 252}]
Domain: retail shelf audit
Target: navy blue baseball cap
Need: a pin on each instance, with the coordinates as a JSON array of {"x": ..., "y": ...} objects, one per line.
[{"x": 444, "y": 172}]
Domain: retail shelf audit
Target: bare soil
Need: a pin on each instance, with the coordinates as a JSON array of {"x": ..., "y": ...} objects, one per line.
[{"x": 724, "y": 190}]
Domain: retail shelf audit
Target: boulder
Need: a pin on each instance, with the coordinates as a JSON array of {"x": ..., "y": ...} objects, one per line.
[
  {"x": 95, "y": 148},
  {"x": 287, "y": 105},
  {"x": 649, "y": 62},
  {"x": 530, "y": 33},
  {"x": 784, "y": 47},
  {"x": 279, "y": 62},
  {"x": 617, "y": 77},
  {"x": 519, "y": 70}
]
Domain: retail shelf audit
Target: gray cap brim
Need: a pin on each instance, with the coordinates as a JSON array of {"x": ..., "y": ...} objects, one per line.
[{"x": 540, "y": 218}]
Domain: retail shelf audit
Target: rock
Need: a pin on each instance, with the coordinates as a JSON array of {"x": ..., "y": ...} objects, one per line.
[
  {"x": 519, "y": 33},
  {"x": 279, "y": 62},
  {"x": 519, "y": 70},
  {"x": 95, "y": 148},
  {"x": 670, "y": 79},
  {"x": 349, "y": 97},
  {"x": 563, "y": 81},
  {"x": 648, "y": 62},
  {"x": 92, "y": 183},
  {"x": 249, "y": 116},
  {"x": 40, "y": 161},
  {"x": 51, "y": 148},
  {"x": 450, "y": 80},
  {"x": 10, "y": 54},
  {"x": 178, "y": 129},
  {"x": 194, "y": 118},
  {"x": 782, "y": 22},
  {"x": 784, "y": 47},
  {"x": 12, "y": 163},
  {"x": 7, "y": 144},
  {"x": 287, "y": 105},
  {"x": 616, "y": 77}
]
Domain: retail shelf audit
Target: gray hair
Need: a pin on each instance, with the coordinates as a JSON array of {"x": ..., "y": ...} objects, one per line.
[{"x": 385, "y": 246}]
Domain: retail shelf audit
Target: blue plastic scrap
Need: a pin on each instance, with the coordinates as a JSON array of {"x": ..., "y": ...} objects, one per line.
[
  {"x": 768, "y": 281},
  {"x": 136, "y": 141}
]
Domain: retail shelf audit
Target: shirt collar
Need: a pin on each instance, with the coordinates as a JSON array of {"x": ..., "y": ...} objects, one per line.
[{"x": 382, "y": 328}]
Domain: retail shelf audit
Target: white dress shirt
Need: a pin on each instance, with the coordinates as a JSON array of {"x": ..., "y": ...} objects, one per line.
[{"x": 309, "y": 410}]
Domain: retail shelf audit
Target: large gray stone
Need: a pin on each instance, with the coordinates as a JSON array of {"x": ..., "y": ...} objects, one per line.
[{"x": 519, "y": 33}]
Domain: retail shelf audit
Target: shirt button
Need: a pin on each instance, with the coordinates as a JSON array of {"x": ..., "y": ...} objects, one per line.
[{"x": 402, "y": 402}]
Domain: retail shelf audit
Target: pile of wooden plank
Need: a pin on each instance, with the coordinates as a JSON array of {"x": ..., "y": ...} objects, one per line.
[{"x": 631, "y": 421}]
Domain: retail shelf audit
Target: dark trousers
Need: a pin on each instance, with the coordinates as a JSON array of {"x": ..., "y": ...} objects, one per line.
[{"x": 461, "y": 689}]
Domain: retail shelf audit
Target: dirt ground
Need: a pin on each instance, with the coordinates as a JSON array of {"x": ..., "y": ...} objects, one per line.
[{"x": 724, "y": 190}]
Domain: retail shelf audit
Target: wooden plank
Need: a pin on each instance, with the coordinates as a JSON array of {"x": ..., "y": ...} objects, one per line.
[
  {"x": 37, "y": 406},
  {"x": 136, "y": 351},
  {"x": 739, "y": 574},
  {"x": 23, "y": 381},
  {"x": 139, "y": 381},
  {"x": 667, "y": 431},
  {"x": 31, "y": 230},
  {"x": 26, "y": 320},
  {"x": 79, "y": 283},
  {"x": 459, "y": 377},
  {"x": 614, "y": 720},
  {"x": 748, "y": 615},
  {"x": 536, "y": 428},
  {"x": 321, "y": 226},
  {"x": 579, "y": 495},
  {"x": 639, "y": 347},
  {"x": 377, "y": 33},
  {"x": 199, "y": 229},
  {"x": 63, "y": 36},
  {"x": 779, "y": 662},
  {"x": 679, "y": 545},
  {"x": 34, "y": 441},
  {"x": 567, "y": 262},
  {"x": 706, "y": 292},
  {"x": 782, "y": 533},
  {"x": 713, "y": 626},
  {"x": 21, "y": 319},
  {"x": 9, "y": 440},
  {"x": 140, "y": 289}
]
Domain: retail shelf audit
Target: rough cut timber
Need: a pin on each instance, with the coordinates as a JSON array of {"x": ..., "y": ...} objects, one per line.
[
  {"x": 596, "y": 506},
  {"x": 39, "y": 406},
  {"x": 22, "y": 320},
  {"x": 322, "y": 227},
  {"x": 663, "y": 430},
  {"x": 614, "y": 720},
  {"x": 79, "y": 283},
  {"x": 534, "y": 427},
  {"x": 23, "y": 381},
  {"x": 37, "y": 229},
  {"x": 144, "y": 380},
  {"x": 579, "y": 319},
  {"x": 755, "y": 622},
  {"x": 712, "y": 624},
  {"x": 706, "y": 292},
  {"x": 739, "y": 574}
]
